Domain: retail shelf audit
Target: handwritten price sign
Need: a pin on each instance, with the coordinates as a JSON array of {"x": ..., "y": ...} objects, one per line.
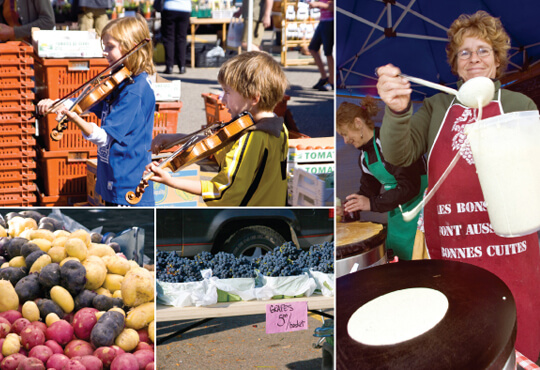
[{"x": 283, "y": 317}]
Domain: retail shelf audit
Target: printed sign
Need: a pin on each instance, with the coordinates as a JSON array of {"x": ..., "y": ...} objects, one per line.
[{"x": 284, "y": 317}]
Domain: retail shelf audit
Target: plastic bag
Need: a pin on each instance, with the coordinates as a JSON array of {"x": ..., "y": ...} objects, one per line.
[{"x": 236, "y": 30}]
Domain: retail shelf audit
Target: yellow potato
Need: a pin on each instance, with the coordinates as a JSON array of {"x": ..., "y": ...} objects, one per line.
[
  {"x": 103, "y": 291},
  {"x": 10, "y": 299},
  {"x": 42, "y": 234},
  {"x": 127, "y": 339},
  {"x": 30, "y": 311},
  {"x": 100, "y": 250},
  {"x": 68, "y": 259},
  {"x": 17, "y": 225},
  {"x": 11, "y": 345},
  {"x": 60, "y": 233},
  {"x": 41, "y": 262},
  {"x": 113, "y": 282},
  {"x": 60, "y": 241},
  {"x": 82, "y": 235},
  {"x": 62, "y": 298},
  {"x": 118, "y": 265},
  {"x": 152, "y": 330},
  {"x": 51, "y": 318},
  {"x": 119, "y": 310},
  {"x": 43, "y": 244},
  {"x": 99, "y": 314},
  {"x": 140, "y": 316},
  {"x": 137, "y": 287},
  {"x": 95, "y": 274},
  {"x": 3, "y": 231},
  {"x": 4, "y": 265},
  {"x": 58, "y": 254},
  {"x": 17, "y": 262},
  {"x": 75, "y": 247},
  {"x": 117, "y": 294}
]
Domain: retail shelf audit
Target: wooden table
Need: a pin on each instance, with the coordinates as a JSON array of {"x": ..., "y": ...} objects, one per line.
[
  {"x": 196, "y": 22},
  {"x": 240, "y": 308}
]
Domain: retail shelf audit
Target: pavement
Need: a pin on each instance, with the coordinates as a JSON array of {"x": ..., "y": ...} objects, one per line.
[{"x": 312, "y": 110}]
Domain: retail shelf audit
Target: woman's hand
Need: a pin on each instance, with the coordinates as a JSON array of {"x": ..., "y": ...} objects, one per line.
[
  {"x": 394, "y": 91},
  {"x": 357, "y": 202},
  {"x": 63, "y": 110}
]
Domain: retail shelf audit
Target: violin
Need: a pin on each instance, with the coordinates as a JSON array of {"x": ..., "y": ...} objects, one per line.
[
  {"x": 195, "y": 148},
  {"x": 95, "y": 90},
  {"x": 91, "y": 96}
]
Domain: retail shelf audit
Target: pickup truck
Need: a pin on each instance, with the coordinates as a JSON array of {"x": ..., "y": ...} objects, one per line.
[{"x": 241, "y": 231}]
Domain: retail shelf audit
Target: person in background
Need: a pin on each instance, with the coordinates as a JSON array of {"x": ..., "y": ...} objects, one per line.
[
  {"x": 127, "y": 115},
  {"x": 252, "y": 169},
  {"x": 262, "y": 12},
  {"x": 93, "y": 14},
  {"x": 400, "y": 185},
  {"x": 17, "y": 18},
  {"x": 324, "y": 35},
  {"x": 174, "y": 28},
  {"x": 478, "y": 46}
]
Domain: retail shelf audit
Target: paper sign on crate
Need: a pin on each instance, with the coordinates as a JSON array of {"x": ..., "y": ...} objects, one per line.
[
  {"x": 66, "y": 44},
  {"x": 284, "y": 317},
  {"x": 311, "y": 150},
  {"x": 166, "y": 90}
]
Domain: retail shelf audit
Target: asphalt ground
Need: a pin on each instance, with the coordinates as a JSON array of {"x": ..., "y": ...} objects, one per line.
[
  {"x": 312, "y": 110},
  {"x": 238, "y": 343}
]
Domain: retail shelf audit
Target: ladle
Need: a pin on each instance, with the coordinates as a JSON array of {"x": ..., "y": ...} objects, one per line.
[{"x": 475, "y": 93}]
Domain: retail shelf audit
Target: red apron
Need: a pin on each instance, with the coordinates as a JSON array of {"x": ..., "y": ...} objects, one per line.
[{"x": 457, "y": 226}]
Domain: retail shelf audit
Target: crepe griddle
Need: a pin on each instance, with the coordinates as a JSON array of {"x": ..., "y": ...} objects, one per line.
[
  {"x": 477, "y": 332},
  {"x": 361, "y": 246}
]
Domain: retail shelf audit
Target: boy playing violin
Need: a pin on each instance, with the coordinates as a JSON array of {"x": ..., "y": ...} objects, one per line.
[
  {"x": 252, "y": 169},
  {"x": 127, "y": 114}
]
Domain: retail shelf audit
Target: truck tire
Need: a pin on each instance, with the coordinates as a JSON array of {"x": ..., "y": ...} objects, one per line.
[{"x": 253, "y": 241}]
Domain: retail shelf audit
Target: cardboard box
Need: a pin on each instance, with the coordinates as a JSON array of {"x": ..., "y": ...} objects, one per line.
[
  {"x": 66, "y": 44},
  {"x": 166, "y": 90}
]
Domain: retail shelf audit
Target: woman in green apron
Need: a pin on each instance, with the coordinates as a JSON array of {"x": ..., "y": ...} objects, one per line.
[{"x": 383, "y": 187}]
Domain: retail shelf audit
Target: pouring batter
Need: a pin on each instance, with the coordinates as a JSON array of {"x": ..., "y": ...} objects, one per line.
[{"x": 457, "y": 225}]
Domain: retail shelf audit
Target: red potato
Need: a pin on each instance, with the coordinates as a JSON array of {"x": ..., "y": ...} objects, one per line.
[
  {"x": 84, "y": 321},
  {"x": 78, "y": 347},
  {"x": 118, "y": 350},
  {"x": 90, "y": 362},
  {"x": 144, "y": 357},
  {"x": 125, "y": 361},
  {"x": 73, "y": 365},
  {"x": 60, "y": 331},
  {"x": 150, "y": 366},
  {"x": 143, "y": 335},
  {"x": 41, "y": 325},
  {"x": 19, "y": 325},
  {"x": 57, "y": 361},
  {"x": 32, "y": 336},
  {"x": 56, "y": 348},
  {"x": 5, "y": 327},
  {"x": 31, "y": 363},
  {"x": 68, "y": 317},
  {"x": 41, "y": 352},
  {"x": 144, "y": 345},
  {"x": 12, "y": 361},
  {"x": 106, "y": 355},
  {"x": 11, "y": 315}
]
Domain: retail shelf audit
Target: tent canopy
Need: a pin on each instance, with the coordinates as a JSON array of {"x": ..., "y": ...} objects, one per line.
[{"x": 412, "y": 34}]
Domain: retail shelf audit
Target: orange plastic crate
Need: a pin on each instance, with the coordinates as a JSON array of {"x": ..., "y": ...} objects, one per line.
[
  {"x": 16, "y": 69},
  {"x": 13, "y": 146},
  {"x": 59, "y": 77},
  {"x": 60, "y": 200},
  {"x": 10, "y": 179},
  {"x": 166, "y": 117},
  {"x": 18, "y": 199},
  {"x": 14, "y": 126},
  {"x": 15, "y": 50},
  {"x": 23, "y": 163},
  {"x": 16, "y": 96},
  {"x": 15, "y": 154},
  {"x": 64, "y": 172},
  {"x": 72, "y": 138}
]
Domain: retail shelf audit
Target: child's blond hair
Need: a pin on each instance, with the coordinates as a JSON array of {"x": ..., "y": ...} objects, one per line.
[
  {"x": 129, "y": 31},
  {"x": 253, "y": 73}
]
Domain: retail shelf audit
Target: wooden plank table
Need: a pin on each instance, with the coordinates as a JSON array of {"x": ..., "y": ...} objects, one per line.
[
  {"x": 240, "y": 308},
  {"x": 196, "y": 22}
]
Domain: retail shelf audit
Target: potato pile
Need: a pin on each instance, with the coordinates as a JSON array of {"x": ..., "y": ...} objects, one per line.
[{"x": 70, "y": 302}]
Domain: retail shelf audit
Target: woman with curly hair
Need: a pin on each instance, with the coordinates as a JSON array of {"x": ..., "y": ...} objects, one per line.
[
  {"x": 400, "y": 185},
  {"x": 456, "y": 222}
]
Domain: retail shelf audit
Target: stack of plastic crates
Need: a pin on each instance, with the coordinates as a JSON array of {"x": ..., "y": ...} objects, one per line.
[
  {"x": 62, "y": 163},
  {"x": 17, "y": 125}
]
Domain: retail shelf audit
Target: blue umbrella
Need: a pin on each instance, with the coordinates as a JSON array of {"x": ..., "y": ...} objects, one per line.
[{"x": 411, "y": 34}]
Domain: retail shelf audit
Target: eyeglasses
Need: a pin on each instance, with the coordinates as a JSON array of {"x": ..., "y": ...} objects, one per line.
[{"x": 481, "y": 52}]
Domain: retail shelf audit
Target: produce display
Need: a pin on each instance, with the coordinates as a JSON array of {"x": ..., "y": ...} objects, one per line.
[
  {"x": 284, "y": 260},
  {"x": 70, "y": 301}
]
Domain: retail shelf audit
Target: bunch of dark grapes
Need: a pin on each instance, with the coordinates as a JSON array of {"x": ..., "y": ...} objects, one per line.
[
  {"x": 280, "y": 261},
  {"x": 320, "y": 257}
]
